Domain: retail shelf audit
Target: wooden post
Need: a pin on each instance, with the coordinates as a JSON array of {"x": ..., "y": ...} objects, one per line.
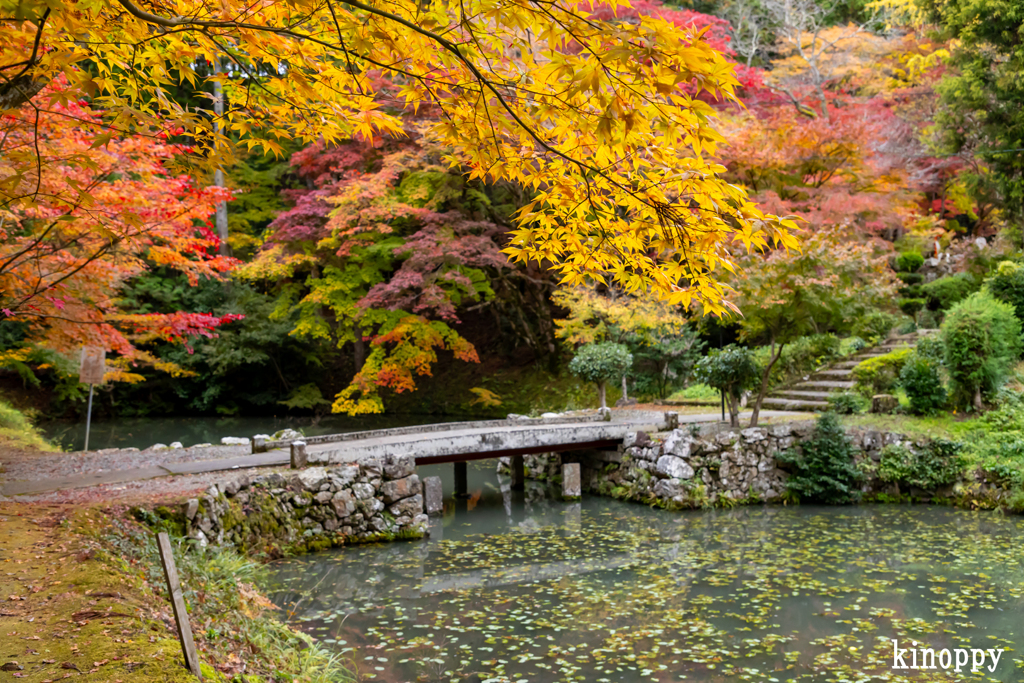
[{"x": 188, "y": 646}]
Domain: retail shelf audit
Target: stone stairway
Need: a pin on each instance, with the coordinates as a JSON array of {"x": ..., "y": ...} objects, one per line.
[{"x": 811, "y": 394}]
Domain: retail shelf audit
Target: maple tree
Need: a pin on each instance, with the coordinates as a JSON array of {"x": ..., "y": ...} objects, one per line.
[
  {"x": 101, "y": 211},
  {"x": 833, "y": 282},
  {"x": 381, "y": 254},
  {"x": 602, "y": 121}
]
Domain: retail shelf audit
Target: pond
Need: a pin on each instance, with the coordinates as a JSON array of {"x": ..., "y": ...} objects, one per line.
[
  {"x": 521, "y": 587},
  {"x": 146, "y": 431}
]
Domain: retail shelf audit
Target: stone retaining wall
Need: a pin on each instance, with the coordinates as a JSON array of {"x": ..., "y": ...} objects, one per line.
[
  {"x": 684, "y": 470},
  {"x": 376, "y": 498}
]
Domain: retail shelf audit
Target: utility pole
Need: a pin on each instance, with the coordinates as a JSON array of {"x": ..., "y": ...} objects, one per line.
[{"x": 218, "y": 175}]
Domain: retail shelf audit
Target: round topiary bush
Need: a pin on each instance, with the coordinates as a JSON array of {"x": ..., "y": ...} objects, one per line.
[
  {"x": 733, "y": 370},
  {"x": 601, "y": 363},
  {"x": 911, "y": 306},
  {"x": 982, "y": 339},
  {"x": 944, "y": 293},
  {"x": 922, "y": 382},
  {"x": 878, "y": 375},
  {"x": 909, "y": 262}
]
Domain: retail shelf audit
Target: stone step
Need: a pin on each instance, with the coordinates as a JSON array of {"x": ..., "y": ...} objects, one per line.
[
  {"x": 791, "y": 404},
  {"x": 833, "y": 385},
  {"x": 826, "y": 374},
  {"x": 848, "y": 364},
  {"x": 801, "y": 395}
]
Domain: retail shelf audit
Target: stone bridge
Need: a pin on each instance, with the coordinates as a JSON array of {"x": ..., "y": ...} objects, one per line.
[{"x": 461, "y": 442}]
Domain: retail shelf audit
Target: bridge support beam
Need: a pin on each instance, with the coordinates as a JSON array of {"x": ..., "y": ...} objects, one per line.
[
  {"x": 518, "y": 473},
  {"x": 571, "y": 489},
  {"x": 461, "y": 480},
  {"x": 433, "y": 496}
]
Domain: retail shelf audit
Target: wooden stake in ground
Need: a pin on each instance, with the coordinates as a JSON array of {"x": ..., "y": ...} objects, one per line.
[{"x": 188, "y": 646}]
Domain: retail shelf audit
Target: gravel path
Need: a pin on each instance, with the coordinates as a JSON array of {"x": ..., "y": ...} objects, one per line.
[
  {"x": 148, "y": 492},
  {"x": 20, "y": 465}
]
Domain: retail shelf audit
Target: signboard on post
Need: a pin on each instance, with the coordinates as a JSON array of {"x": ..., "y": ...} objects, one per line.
[
  {"x": 91, "y": 371},
  {"x": 93, "y": 365}
]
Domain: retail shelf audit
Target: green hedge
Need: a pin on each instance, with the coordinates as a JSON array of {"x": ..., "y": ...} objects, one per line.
[
  {"x": 944, "y": 293},
  {"x": 982, "y": 339},
  {"x": 878, "y": 375}
]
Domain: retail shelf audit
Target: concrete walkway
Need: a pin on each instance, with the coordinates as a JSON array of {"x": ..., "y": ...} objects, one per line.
[{"x": 273, "y": 458}]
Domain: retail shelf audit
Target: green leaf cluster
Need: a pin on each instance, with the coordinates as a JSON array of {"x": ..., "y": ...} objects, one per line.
[
  {"x": 823, "y": 470},
  {"x": 937, "y": 464},
  {"x": 945, "y": 292},
  {"x": 1007, "y": 285},
  {"x": 879, "y": 375},
  {"x": 922, "y": 381},
  {"x": 982, "y": 339},
  {"x": 601, "y": 362}
]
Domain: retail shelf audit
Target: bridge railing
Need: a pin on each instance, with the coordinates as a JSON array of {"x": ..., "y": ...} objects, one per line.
[{"x": 260, "y": 445}]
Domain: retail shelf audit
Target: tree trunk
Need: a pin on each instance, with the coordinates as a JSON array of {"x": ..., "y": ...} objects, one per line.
[
  {"x": 764, "y": 383},
  {"x": 19, "y": 90},
  {"x": 218, "y": 175},
  {"x": 623, "y": 389},
  {"x": 600, "y": 393},
  {"x": 978, "y": 405},
  {"x": 734, "y": 410},
  {"x": 359, "y": 355}
]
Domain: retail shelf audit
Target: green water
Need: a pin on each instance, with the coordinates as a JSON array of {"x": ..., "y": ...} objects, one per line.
[
  {"x": 143, "y": 432},
  {"x": 522, "y": 587}
]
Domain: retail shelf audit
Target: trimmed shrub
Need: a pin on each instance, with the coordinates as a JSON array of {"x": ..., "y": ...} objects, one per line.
[
  {"x": 911, "y": 278},
  {"x": 932, "y": 348},
  {"x": 847, "y": 403},
  {"x": 875, "y": 326},
  {"x": 944, "y": 293},
  {"x": 733, "y": 370},
  {"x": 929, "y": 468},
  {"x": 911, "y": 306},
  {"x": 922, "y": 382},
  {"x": 909, "y": 262},
  {"x": 878, "y": 375},
  {"x": 982, "y": 339},
  {"x": 1007, "y": 285},
  {"x": 824, "y": 471},
  {"x": 601, "y": 363},
  {"x": 851, "y": 345}
]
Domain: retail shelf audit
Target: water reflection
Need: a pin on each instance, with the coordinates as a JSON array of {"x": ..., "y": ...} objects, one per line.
[{"x": 518, "y": 585}]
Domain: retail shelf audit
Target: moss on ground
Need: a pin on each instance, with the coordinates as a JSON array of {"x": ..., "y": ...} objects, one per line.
[
  {"x": 67, "y": 610},
  {"x": 16, "y": 431},
  {"x": 84, "y": 593}
]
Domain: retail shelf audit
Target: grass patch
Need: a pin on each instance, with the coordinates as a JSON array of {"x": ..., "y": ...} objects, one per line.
[
  {"x": 947, "y": 425},
  {"x": 699, "y": 392},
  {"x": 16, "y": 431},
  {"x": 234, "y": 624}
]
